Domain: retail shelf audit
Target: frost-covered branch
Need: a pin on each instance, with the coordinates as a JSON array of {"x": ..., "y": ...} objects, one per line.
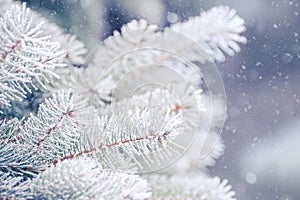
[
  {"x": 12, "y": 187},
  {"x": 127, "y": 141},
  {"x": 31, "y": 54},
  {"x": 177, "y": 98},
  {"x": 54, "y": 127},
  {"x": 201, "y": 40},
  {"x": 9, "y": 131},
  {"x": 208, "y": 144},
  {"x": 215, "y": 37},
  {"x": 40, "y": 139},
  {"x": 26, "y": 54},
  {"x": 212, "y": 36},
  {"x": 64, "y": 128},
  {"x": 84, "y": 179},
  {"x": 15, "y": 156},
  {"x": 81, "y": 178},
  {"x": 192, "y": 186},
  {"x": 82, "y": 146}
]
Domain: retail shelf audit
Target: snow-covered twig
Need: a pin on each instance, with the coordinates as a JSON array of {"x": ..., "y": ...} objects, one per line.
[{"x": 26, "y": 54}]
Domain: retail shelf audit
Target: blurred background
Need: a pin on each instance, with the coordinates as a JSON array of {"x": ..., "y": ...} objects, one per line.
[{"x": 262, "y": 82}]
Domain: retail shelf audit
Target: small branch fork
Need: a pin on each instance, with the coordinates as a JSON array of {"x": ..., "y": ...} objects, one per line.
[
  {"x": 40, "y": 142},
  {"x": 50, "y": 131},
  {"x": 12, "y": 48},
  {"x": 15, "y": 46}
]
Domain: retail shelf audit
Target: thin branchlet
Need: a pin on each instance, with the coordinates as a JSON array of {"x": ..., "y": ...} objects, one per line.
[
  {"x": 101, "y": 146},
  {"x": 50, "y": 131},
  {"x": 10, "y": 49},
  {"x": 28, "y": 56}
]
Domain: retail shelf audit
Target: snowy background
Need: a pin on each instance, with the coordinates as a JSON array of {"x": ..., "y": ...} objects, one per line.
[{"x": 262, "y": 133}]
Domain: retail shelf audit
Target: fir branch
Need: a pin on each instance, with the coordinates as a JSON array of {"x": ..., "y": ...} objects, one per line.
[
  {"x": 12, "y": 187},
  {"x": 54, "y": 130},
  {"x": 206, "y": 41},
  {"x": 26, "y": 54},
  {"x": 15, "y": 156},
  {"x": 126, "y": 141},
  {"x": 84, "y": 179},
  {"x": 224, "y": 32},
  {"x": 9, "y": 130},
  {"x": 44, "y": 156},
  {"x": 43, "y": 138},
  {"x": 102, "y": 80},
  {"x": 204, "y": 151},
  {"x": 190, "y": 186},
  {"x": 215, "y": 37},
  {"x": 75, "y": 52},
  {"x": 178, "y": 97},
  {"x": 75, "y": 49},
  {"x": 207, "y": 145}
]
